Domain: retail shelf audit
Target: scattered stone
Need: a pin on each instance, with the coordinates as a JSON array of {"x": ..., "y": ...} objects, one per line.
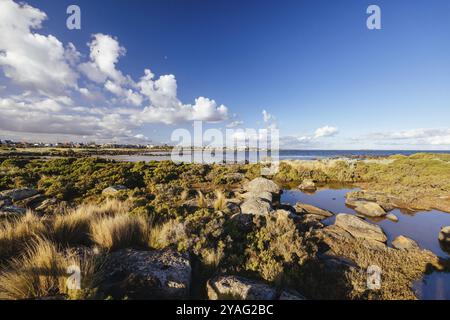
[
  {"x": 369, "y": 209},
  {"x": 307, "y": 185},
  {"x": 303, "y": 208},
  {"x": 392, "y": 217},
  {"x": 291, "y": 295},
  {"x": 404, "y": 243},
  {"x": 158, "y": 274},
  {"x": 19, "y": 194},
  {"x": 259, "y": 185},
  {"x": 238, "y": 288},
  {"x": 256, "y": 207},
  {"x": 113, "y": 190},
  {"x": 359, "y": 228}
]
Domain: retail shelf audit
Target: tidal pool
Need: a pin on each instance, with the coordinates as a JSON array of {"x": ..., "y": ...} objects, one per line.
[{"x": 423, "y": 227}]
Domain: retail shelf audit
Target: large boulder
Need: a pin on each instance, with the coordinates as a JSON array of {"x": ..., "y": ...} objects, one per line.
[
  {"x": 444, "y": 236},
  {"x": 18, "y": 194},
  {"x": 157, "y": 274},
  {"x": 359, "y": 228},
  {"x": 404, "y": 243},
  {"x": 303, "y": 208},
  {"x": 256, "y": 206},
  {"x": 238, "y": 288},
  {"x": 368, "y": 209},
  {"x": 259, "y": 185},
  {"x": 307, "y": 185},
  {"x": 262, "y": 195}
]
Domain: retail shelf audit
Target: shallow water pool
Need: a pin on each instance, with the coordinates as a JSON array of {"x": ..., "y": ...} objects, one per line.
[{"x": 423, "y": 227}]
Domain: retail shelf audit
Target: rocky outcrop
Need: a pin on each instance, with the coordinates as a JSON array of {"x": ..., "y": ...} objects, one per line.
[
  {"x": 18, "y": 194},
  {"x": 444, "y": 236},
  {"x": 259, "y": 185},
  {"x": 256, "y": 206},
  {"x": 388, "y": 203},
  {"x": 238, "y": 288},
  {"x": 404, "y": 243},
  {"x": 308, "y": 185},
  {"x": 31, "y": 202},
  {"x": 359, "y": 228},
  {"x": 112, "y": 190},
  {"x": 366, "y": 208},
  {"x": 158, "y": 274}
]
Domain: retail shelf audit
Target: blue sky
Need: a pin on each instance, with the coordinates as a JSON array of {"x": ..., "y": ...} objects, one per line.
[{"x": 327, "y": 80}]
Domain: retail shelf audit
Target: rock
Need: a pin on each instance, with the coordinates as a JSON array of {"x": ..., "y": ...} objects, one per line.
[
  {"x": 5, "y": 202},
  {"x": 113, "y": 190},
  {"x": 11, "y": 211},
  {"x": 244, "y": 221},
  {"x": 404, "y": 243},
  {"x": 392, "y": 217},
  {"x": 263, "y": 195},
  {"x": 234, "y": 177},
  {"x": 19, "y": 194},
  {"x": 285, "y": 214},
  {"x": 256, "y": 207},
  {"x": 232, "y": 207},
  {"x": 157, "y": 274},
  {"x": 444, "y": 236},
  {"x": 291, "y": 295},
  {"x": 238, "y": 288},
  {"x": 369, "y": 209},
  {"x": 259, "y": 185},
  {"x": 386, "y": 202},
  {"x": 307, "y": 185},
  {"x": 303, "y": 208},
  {"x": 359, "y": 228},
  {"x": 47, "y": 205},
  {"x": 31, "y": 202}
]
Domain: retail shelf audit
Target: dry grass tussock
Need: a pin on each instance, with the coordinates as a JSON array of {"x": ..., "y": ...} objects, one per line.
[
  {"x": 169, "y": 233},
  {"x": 220, "y": 203},
  {"x": 74, "y": 227},
  {"x": 42, "y": 271},
  {"x": 16, "y": 233},
  {"x": 121, "y": 231}
]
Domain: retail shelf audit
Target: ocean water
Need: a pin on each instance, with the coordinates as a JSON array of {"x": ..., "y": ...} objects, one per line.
[{"x": 253, "y": 156}]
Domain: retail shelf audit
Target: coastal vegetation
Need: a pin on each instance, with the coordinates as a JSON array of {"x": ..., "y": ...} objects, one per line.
[{"x": 90, "y": 212}]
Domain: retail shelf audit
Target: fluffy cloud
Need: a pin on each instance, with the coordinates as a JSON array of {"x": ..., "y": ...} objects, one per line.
[
  {"x": 433, "y": 137},
  {"x": 165, "y": 107},
  {"x": 32, "y": 60},
  {"x": 326, "y": 131},
  {"x": 110, "y": 104}
]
